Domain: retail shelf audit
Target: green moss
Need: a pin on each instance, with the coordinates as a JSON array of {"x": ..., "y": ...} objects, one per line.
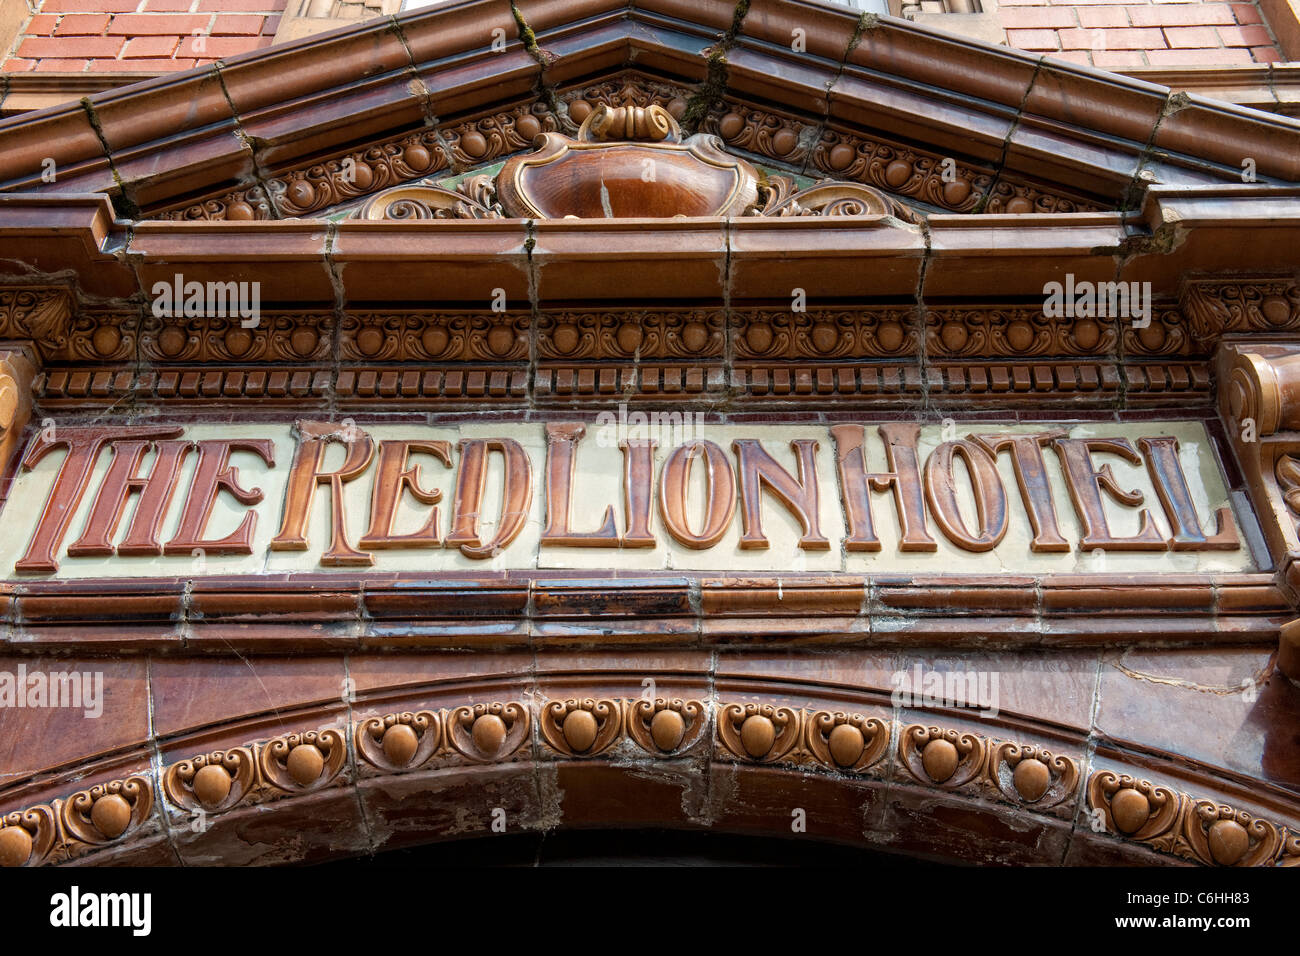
[{"x": 710, "y": 92}]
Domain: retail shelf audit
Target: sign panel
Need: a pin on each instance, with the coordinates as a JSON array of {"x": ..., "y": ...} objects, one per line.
[{"x": 625, "y": 492}]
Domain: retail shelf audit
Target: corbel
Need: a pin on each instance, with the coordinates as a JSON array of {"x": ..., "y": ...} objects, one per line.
[
  {"x": 1259, "y": 402},
  {"x": 33, "y": 320},
  {"x": 37, "y": 316},
  {"x": 16, "y": 374}
]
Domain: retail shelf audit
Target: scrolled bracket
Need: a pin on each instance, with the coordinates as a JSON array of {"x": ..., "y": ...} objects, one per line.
[{"x": 1259, "y": 403}]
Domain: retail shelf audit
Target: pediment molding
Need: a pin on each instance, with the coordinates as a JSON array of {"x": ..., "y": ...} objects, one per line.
[
  {"x": 230, "y": 136},
  {"x": 902, "y": 172},
  {"x": 629, "y": 162}
]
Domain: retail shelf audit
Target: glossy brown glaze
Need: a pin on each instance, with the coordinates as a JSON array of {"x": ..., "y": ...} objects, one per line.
[
  {"x": 306, "y": 473},
  {"x": 83, "y": 446},
  {"x": 1031, "y": 479},
  {"x": 720, "y": 501},
  {"x": 561, "y": 461},
  {"x": 1087, "y": 481},
  {"x": 394, "y": 476},
  {"x": 986, "y": 485},
  {"x": 759, "y": 470},
  {"x": 471, "y": 481}
]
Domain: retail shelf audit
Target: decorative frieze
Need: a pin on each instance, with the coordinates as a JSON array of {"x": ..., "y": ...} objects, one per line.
[
  {"x": 955, "y": 761},
  {"x": 839, "y": 352},
  {"x": 627, "y": 161},
  {"x": 36, "y": 314},
  {"x": 355, "y": 174},
  {"x": 288, "y": 765},
  {"x": 635, "y": 334},
  {"x": 897, "y": 169},
  {"x": 1217, "y": 307},
  {"x": 1022, "y": 774},
  {"x": 1018, "y": 332},
  {"x": 70, "y": 827},
  {"x": 1173, "y": 822},
  {"x": 824, "y": 334},
  {"x": 274, "y": 337},
  {"x": 435, "y": 336},
  {"x": 246, "y": 204}
]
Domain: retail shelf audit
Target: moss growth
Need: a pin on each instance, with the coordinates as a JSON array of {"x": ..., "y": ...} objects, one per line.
[
  {"x": 123, "y": 206},
  {"x": 714, "y": 86},
  {"x": 868, "y": 21},
  {"x": 529, "y": 40}
]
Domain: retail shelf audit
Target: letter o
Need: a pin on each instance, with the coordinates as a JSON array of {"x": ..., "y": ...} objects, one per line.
[
  {"x": 722, "y": 494},
  {"x": 986, "y": 483}
]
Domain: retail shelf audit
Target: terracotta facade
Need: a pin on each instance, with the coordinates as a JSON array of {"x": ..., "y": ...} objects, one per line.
[{"x": 626, "y": 420}]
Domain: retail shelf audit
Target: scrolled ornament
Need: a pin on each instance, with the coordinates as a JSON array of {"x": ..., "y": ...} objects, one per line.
[
  {"x": 399, "y": 742},
  {"x": 27, "y": 837},
  {"x": 947, "y": 758},
  {"x": 629, "y": 122},
  {"x": 581, "y": 728},
  {"x": 1137, "y": 809},
  {"x": 1219, "y": 835},
  {"x": 106, "y": 812},
  {"x": 297, "y": 763},
  {"x": 760, "y": 732},
  {"x": 666, "y": 728},
  {"x": 1290, "y": 849},
  {"x": 214, "y": 782},
  {"x": 488, "y": 732},
  {"x": 848, "y": 743},
  {"x": 1033, "y": 776}
]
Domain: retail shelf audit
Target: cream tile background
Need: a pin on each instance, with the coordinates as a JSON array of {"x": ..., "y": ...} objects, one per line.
[{"x": 598, "y": 483}]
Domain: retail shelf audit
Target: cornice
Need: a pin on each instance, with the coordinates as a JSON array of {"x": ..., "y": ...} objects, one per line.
[
  {"x": 366, "y": 312},
  {"x": 24, "y": 92},
  {"x": 394, "y": 612},
  {"x": 1270, "y": 87},
  {"x": 1180, "y": 230}
]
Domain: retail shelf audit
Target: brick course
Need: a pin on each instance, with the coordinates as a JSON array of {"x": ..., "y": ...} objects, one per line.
[
  {"x": 138, "y": 47},
  {"x": 1189, "y": 38},
  {"x": 1118, "y": 36},
  {"x": 98, "y": 36},
  {"x": 151, "y": 24}
]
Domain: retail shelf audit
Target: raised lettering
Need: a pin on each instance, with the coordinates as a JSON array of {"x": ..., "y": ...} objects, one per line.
[
  {"x": 306, "y": 473},
  {"x": 392, "y": 479}
]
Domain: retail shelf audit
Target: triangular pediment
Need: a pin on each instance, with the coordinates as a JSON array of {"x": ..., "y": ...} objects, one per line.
[{"x": 941, "y": 123}]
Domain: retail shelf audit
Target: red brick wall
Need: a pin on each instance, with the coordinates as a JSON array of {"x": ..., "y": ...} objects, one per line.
[
  {"x": 1116, "y": 36},
  {"x": 148, "y": 36}
]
